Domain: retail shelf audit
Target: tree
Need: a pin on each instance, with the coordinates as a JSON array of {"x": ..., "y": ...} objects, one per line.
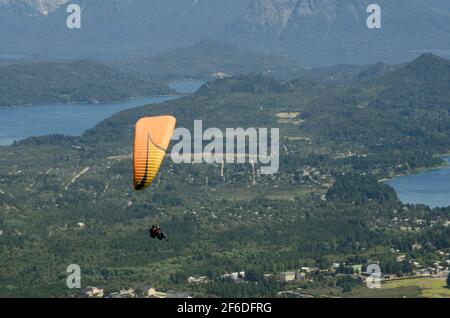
[
  {"x": 407, "y": 267},
  {"x": 178, "y": 278},
  {"x": 254, "y": 275},
  {"x": 347, "y": 283}
]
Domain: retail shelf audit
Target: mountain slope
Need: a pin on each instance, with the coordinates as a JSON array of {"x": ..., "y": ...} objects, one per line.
[
  {"x": 43, "y": 7},
  {"x": 331, "y": 31},
  {"x": 423, "y": 83},
  {"x": 428, "y": 69},
  {"x": 406, "y": 110}
]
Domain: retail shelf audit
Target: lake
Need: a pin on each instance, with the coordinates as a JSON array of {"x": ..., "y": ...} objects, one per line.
[
  {"x": 431, "y": 188},
  {"x": 71, "y": 119}
]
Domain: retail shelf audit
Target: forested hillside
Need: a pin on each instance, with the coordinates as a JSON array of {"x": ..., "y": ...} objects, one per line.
[
  {"x": 71, "y": 82},
  {"x": 325, "y": 205}
]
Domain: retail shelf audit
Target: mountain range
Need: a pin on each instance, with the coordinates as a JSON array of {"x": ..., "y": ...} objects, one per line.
[{"x": 317, "y": 32}]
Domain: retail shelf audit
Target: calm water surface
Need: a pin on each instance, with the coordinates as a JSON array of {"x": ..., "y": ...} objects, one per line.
[
  {"x": 70, "y": 119},
  {"x": 431, "y": 188}
]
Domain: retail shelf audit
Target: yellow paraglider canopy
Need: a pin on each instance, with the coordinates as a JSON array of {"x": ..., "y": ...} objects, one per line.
[{"x": 151, "y": 138}]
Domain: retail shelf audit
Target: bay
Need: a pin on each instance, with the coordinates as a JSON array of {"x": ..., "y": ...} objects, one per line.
[
  {"x": 431, "y": 188},
  {"x": 17, "y": 123}
]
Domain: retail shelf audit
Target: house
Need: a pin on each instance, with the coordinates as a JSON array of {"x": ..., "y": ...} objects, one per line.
[
  {"x": 357, "y": 268},
  {"x": 150, "y": 292},
  {"x": 93, "y": 292},
  {"x": 309, "y": 269},
  {"x": 220, "y": 75},
  {"x": 286, "y": 277},
  {"x": 197, "y": 280},
  {"x": 81, "y": 225},
  {"x": 237, "y": 275},
  {"x": 300, "y": 276},
  {"x": 234, "y": 276},
  {"x": 124, "y": 293},
  {"x": 423, "y": 272},
  {"x": 153, "y": 293}
]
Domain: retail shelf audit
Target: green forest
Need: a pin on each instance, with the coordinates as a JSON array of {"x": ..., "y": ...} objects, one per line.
[
  {"x": 71, "y": 82},
  {"x": 326, "y": 204}
]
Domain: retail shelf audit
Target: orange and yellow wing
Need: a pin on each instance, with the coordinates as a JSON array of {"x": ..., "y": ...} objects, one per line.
[{"x": 151, "y": 138}]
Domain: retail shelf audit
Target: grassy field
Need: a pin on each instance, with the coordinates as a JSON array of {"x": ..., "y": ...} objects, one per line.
[
  {"x": 429, "y": 287},
  {"x": 416, "y": 287}
]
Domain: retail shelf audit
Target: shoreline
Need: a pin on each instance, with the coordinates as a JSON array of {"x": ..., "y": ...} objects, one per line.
[
  {"x": 174, "y": 93},
  {"x": 135, "y": 99},
  {"x": 88, "y": 103},
  {"x": 167, "y": 98},
  {"x": 421, "y": 170}
]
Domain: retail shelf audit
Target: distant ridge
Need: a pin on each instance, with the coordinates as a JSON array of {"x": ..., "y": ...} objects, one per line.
[
  {"x": 424, "y": 82},
  {"x": 77, "y": 81},
  {"x": 425, "y": 71},
  {"x": 206, "y": 58}
]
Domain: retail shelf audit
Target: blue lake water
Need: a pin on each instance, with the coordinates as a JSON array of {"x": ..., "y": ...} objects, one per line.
[
  {"x": 431, "y": 188},
  {"x": 70, "y": 119}
]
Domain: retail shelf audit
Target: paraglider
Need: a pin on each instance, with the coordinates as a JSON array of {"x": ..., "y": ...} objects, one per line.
[
  {"x": 151, "y": 138},
  {"x": 155, "y": 232}
]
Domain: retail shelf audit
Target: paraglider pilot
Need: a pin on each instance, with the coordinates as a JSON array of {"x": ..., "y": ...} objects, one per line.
[{"x": 155, "y": 232}]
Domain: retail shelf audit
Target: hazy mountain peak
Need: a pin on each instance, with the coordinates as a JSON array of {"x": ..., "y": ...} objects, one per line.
[
  {"x": 426, "y": 72},
  {"x": 429, "y": 66},
  {"x": 42, "y": 6},
  {"x": 271, "y": 12},
  {"x": 430, "y": 59}
]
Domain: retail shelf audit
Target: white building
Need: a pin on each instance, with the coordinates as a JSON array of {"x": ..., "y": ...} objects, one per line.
[
  {"x": 197, "y": 280},
  {"x": 286, "y": 277},
  {"x": 93, "y": 292}
]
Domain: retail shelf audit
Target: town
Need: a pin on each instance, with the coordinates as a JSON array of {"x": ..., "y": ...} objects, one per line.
[{"x": 292, "y": 280}]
